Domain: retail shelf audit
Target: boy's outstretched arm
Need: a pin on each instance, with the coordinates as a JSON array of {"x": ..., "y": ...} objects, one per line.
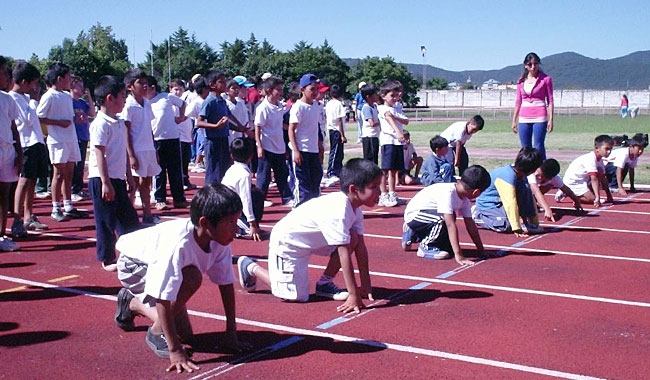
[
  {"x": 450, "y": 221},
  {"x": 228, "y": 298},
  {"x": 472, "y": 230},
  {"x": 576, "y": 200},
  {"x": 619, "y": 181},
  {"x": 354, "y": 302},
  {"x": 631, "y": 176},
  {"x": 361, "y": 252},
  {"x": 548, "y": 213},
  {"x": 177, "y": 356}
]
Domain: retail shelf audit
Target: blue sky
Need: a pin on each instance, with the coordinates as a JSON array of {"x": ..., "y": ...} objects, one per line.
[{"x": 459, "y": 35}]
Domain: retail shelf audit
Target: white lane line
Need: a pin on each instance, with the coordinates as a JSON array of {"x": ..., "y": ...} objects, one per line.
[
  {"x": 606, "y": 211},
  {"x": 571, "y": 227},
  {"x": 338, "y": 337}
]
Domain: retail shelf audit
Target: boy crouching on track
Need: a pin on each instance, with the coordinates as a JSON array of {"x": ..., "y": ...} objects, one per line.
[
  {"x": 161, "y": 268},
  {"x": 430, "y": 217},
  {"x": 330, "y": 225}
]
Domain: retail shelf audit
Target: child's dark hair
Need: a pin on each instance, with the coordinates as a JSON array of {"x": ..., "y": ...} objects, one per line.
[
  {"x": 640, "y": 139},
  {"x": 54, "y": 71},
  {"x": 177, "y": 83},
  {"x": 200, "y": 85},
  {"x": 215, "y": 202},
  {"x": 133, "y": 75},
  {"x": 438, "y": 142},
  {"x": 74, "y": 79},
  {"x": 107, "y": 85},
  {"x": 336, "y": 91},
  {"x": 368, "y": 90},
  {"x": 550, "y": 168},
  {"x": 359, "y": 172},
  {"x": 475, "y": 177},
  {"x": 528, "y": 160},
  {"x": 602, "y": 139},
  {"x": 3, "y": 60},
  {"x": 294, "y": 91},
  {"x": 153, "y": 82},
  {"x": 406, "y": 133},
  {"x": 232, "y": 83},
  {"x": 213, "y": 75},
  {"x": 478, "y": 121},
  {"x": 24, "y": 71},
  {"x": 272, "y": 82},
  {"x": 388, "y": 86},
  {"x": 242, "y": 149}
]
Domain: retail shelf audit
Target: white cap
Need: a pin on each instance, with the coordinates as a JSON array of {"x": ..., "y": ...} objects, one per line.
[
  {"x": 361, "y": 84},
  {"x": 266, "y": 76}
]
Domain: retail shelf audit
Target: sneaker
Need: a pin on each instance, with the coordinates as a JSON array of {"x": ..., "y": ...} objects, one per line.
[
  {"x": 407, "y": 237},
  {"x": 152, "y": 219},
  {"x": 533, "y": 229},
  {"x": 76, "y": 214},
  {"x": 331, "y": 291},
  {"x": 268, "y": 204},
  {"x": 290, "y": 203},
  {"x": 191, "y": 186},
  {"x": 331, "y": 181},
  {"x": 473, "y": 211},
  {"x": 559, "y": 196},
  {"x": 33, "y": 224},
  {"x": 247, "y": 280},
  {"x": 18, "y": 229},
  {"x": 77, "y": 197},
  {"x": 123, "y": 315},
  {"x": 58, "y": 215},
  {"x": 43, "y": 194},
  {"x": 8, "y": 245},
  {"x": 243, "y": 230},
  {"x": 161, "y": 206},
  {"x": 383, "y": 197},
  {"x": 432, "y": 253},
  {"x": 198, "y": 168},
  {"x": 157, "y": 343},
  {"x": 391, "y": 200},
  {"x": 110, "y": 267},
  {"x": 181, "y": 204}
]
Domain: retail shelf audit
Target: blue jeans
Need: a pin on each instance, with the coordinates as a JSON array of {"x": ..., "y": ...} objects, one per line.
[
  {"x": 528, "y": 131},
  {"x": 217, "y": 159}
]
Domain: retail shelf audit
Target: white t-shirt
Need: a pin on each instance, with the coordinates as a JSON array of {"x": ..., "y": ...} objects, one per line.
[
  {"x": 184, "y": 127},
  {"x": 169, "y": 247},
  {"x": 555, "y": 182},
  {"x": 408, "y": 154},
  {"x": 454, "y": 133},
  {"x": 369, "y": 112},
  {"x": 111, "y": 134},
  {"x": 388, "y": 136},
  {"x": 57, "y": 105},
  {"x": 269, "y": 118},
  {"x": 164, "y": 116},
  {"x": 441, "y": 197},
  {"x": 27, "y": 123},
  {"x": 621, "y": 157},
  {"x": 240, "y": 112},
  {"x": 308, "y": 118},
  {"x": 317, "y": 227},
  {"x": 334, "y": 112},
  {"x": 140, "y": 118},
  {"x": 238, "y": 178},
  {"x": 9, "y": 112},
  {"x": 579, "y": 170},
  {"x": 194, "y": 108}
]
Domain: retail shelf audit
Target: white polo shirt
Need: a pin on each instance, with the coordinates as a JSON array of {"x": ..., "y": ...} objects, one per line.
[
  {"x": 621, "y": 157},
  {"x": 110, "y": 133},
  {"x": 334, "y": 112},
  {"x": 169, "y": 247},
  {"x": 369, "y": 112},
  {"x": 140, "y": 117},
  {"x": 581, "y": 168},
  {"x": 238, "y": 178},
  {"x": 308, "y": 117},
  {"x": 184, "y": 127},
  {"x": 454, "y": 133},
  {"x": 194, "y": 108},
  {"x": 9, "y": 111},
  {"x": 239, "y": 111},
  {"x": 440, "y": 197},
  {"x": 317, "y": 227},
  {"x": 57, "y": 105},
  {"x": 269, "y": 118},
  {"x": 387, "y": 135},
  {"x": 164, "y": 116},
  {"x": 555, "y": 182}
]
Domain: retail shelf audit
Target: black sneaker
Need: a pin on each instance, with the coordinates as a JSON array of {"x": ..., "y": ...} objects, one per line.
[
  {"x": 157, "y": 343},
  {"x": 123, "y": 315},
  {"x": 76, "y": 214}
]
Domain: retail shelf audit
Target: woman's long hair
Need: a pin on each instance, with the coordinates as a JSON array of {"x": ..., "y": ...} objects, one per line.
[{"x": 529, "y": 58}]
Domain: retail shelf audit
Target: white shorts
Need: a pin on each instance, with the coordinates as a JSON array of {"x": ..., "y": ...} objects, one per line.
[
  {"x": 289, "y": 277},
  {"x": 64, "y": 152},
  {"x": 8, "y": 171},
  {"x": 579, "y": 188},
  {"x": 147, "y": 164}
]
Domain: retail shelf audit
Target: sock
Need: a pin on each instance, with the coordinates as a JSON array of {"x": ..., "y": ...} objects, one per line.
[
  {"x": 67, "y": 205},
  {"x": 324, "y": 279},
  {"x": 56, "y": 206},
  {"x": 251, "y": 268}
]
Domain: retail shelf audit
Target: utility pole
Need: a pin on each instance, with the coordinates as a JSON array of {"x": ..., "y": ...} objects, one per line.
[
  {"x": 151, "y": 55},
  {"x": 423, "y": 49},
  {"x": 169, "y": 61}
]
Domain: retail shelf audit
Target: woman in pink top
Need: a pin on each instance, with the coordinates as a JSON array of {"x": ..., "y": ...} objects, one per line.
[
  {"x": 531, "y": 117},
  {"x": 624, "y": 104}
]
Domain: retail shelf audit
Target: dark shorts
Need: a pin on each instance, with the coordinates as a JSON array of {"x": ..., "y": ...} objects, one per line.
[
  {"x": 35, "y": 161},
  {"x": 392, "y": 157}
]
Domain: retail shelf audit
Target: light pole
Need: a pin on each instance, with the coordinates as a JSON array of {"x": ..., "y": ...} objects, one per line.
[{"x": 423, "y": 49}]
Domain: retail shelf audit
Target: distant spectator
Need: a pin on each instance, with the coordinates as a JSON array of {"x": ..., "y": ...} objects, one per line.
[{"x": 624, "y": 104}]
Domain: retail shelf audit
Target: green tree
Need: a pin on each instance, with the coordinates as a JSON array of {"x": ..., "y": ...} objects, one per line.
[
  {"x": 378, "y": 70},
  {"x": 321, "y": 61},
  {"x": 437, "y": 83},
  {"x": 468, "y": 86}
]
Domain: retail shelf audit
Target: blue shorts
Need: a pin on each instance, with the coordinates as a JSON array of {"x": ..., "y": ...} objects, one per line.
[{"x": 392, "y": 157}]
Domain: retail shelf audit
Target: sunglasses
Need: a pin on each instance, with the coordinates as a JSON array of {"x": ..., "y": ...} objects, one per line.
[{"x": 531, "y": 64}]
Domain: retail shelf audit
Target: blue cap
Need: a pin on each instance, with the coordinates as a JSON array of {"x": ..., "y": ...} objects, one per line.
[
  {"x": 241, "y": 80},
  {"x": 308, "y": 79}
]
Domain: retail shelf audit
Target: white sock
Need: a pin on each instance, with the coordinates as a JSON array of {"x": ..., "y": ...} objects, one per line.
[
  {"x": 56, "y": 206},
  {"x": 251, "y": 268},
  {"x": 67, "y": 205}
]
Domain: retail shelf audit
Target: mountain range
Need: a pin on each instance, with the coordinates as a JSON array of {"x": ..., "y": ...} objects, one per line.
[{"x": 568, "y": 70}]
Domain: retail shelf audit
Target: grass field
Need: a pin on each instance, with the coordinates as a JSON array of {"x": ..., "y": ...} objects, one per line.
[{"x": 570, "y": 133}]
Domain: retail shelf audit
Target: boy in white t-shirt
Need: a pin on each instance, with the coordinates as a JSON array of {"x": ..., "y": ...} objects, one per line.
[
  {"x": 11, "y": 153},
  {"x": 56, "y": 111},
  {"x": 161, "y": 269},
  {"x": 430, "y": 217},
  {"x": 586, "y": 174},
  {"x": 335, "y": 116},
  {"x": 237, "y": 107},
  {"x": 546, "y": 178},
  {"x": 137, "y": 117},
  {"x": 109, "y": 172},
  {"x": 331, "y": 225},
  {"x": 192, "y": 111},
  {"x": 370, "y": 128},
  {"x": 458, "y": 134},
  {"x": 391, "y": 140},
  {"x": 26, "y": 78},
  {"x": 177, "y": 88},
  {"x": 623, "y": 161},
  {"x": 411, "y": 161}
]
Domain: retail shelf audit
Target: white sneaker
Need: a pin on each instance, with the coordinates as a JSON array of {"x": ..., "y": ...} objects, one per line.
[
  {"x": 331, "y": 181},
  {"x": 76, "y": 198},
  {"x": 559, "y": 196},
  {"x": 383, "y": 197},
  {"x": 268, "y": 204},
  {"x": 8, "y": 245},
  {"x": 391, "y": 200}
]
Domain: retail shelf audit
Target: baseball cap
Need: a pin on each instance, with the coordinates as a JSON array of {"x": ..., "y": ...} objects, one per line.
[
  {"x": 308, "y": 79},
  {"x": 196, "y": 77},
  {"x": 266, "y": 76},
  {"x": 361, "y": 84},
  {"x": 322, "y": 87},
  {"x": 241, "y": 80}
]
